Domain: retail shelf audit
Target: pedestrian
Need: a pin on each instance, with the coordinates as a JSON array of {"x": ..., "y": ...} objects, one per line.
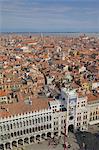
[{"x": 85, "y": 147}]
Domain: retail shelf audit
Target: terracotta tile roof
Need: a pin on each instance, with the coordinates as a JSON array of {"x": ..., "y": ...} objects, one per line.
[
  {"x": 3, "y": 93},
  {"x": 81, "y": 94},
  {"x": 22, "y": 107},
  {"x": 92, "y": 97}
]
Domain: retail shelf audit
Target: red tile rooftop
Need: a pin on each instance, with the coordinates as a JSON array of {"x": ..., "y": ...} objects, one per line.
[
  {"x": 21, "y": 107},
  {"x": 92, "y": 97},
  {"x": 3, "y": 93}
]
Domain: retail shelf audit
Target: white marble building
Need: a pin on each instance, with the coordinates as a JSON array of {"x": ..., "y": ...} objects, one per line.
[
  {"x": 29, "y": 127},
  {"x": 43, "y": 119}
]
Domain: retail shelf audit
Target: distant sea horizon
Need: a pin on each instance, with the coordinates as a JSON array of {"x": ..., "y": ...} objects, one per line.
[{"x": 55, "y": 33}]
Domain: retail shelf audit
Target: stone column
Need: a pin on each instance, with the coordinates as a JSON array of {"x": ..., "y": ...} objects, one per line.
[
  {"x": 4, "y": 147},
  {"x": 11, "y": 145},
  {"x": 17, "y": 143},
  {"x": 52, "y": 135},
  {"x": 66, "y": 129},
  {"x": 40, "y": 138},
  {"x": 35, "y": 141},
  {"x": 45, "y": 135},
  {"x": 59, "y": 132},
  {"x": 29, "y": 141},
  {"x": 23, "y": 142}
]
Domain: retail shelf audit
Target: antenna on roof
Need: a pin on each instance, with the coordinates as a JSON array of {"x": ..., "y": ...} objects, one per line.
[
  {"x": 42, "y": 38},
  {"x": 30, "y": 101}
]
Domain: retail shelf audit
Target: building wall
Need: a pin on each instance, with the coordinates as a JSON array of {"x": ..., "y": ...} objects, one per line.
[
  {"x": 82, "y": 116},
  {"x": 86, "y": 114},
  {"x": 44, "y": 124},
  {"x": 34, "y": 125},
  {"x": 3, "y": 99},
  {"x": 69, "y": 99},
  {"x": 1, "y": 75},
  {"x": 95, "y": 85},
  {"x": 93, "y": 113},
  {"x": 20, "y": 126}
]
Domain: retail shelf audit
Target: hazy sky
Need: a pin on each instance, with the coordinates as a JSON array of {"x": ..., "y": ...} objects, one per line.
[{"x": 49, "y": 15}]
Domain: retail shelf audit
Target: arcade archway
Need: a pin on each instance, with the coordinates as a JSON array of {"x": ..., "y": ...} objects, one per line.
[{"x": 71, "y": 128}]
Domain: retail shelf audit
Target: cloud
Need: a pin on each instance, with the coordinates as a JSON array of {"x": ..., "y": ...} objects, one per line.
[
  {"x": 48, "y": 14},
  {"x": 21, "y": 7}
]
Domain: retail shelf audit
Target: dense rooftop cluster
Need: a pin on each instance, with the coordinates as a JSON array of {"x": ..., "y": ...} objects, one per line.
[{"x": 38, "y": 67}]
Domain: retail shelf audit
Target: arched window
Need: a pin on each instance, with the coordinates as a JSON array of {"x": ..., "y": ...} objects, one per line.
[
  {"x": 11, "y": 126},
  {"x": 14, "y": 125},
  {"x": 20, "y": 124},
  {"x": 50, "y": 126},
  {"x": 41, "y": 119},
  {"x": 30, "y": 122},
  {"x": 30, "y": 130},
  {"x": 4, "y": 127},
  {"x": 94, "y": 113},
  {"x": 1, "y": 128},
  {"x": 11, "y": 134},
  {"x": 5, "y": 136},
  {"x": 14, "y": 133},
  {"x": 27, "y": 123},
  {"x": 17, "y": 125},
  {"x": 47, "y": 126},
  {"x": 7, "y": 127},
  {"x": 91, "y": 114},
  {"x": 38, "y": 128},
  {"x": 33, "y": 121},
  {"x": 21, "y": 132},
  {"x": 27, "y": 131},
  {"x": 38, "y": 120},
  {"x": 8, "y": 136},
  {"x": 47, "y": 118},
  {"x": 44, "y": 119},
  {"x": 41, "y": 127},
  {"x": 18, "y": 133},
  {"x": 23, "y": 123},
  {"x": 1, "y": 137},
  {"x": 24, "y": 131},
  {"x": 33, "y": 129}
]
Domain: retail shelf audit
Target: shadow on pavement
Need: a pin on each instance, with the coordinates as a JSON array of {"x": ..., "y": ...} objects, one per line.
[{"x": 87, "y": 140}]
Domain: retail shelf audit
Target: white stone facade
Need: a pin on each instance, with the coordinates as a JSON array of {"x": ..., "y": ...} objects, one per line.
[
  {"x": 80, "y": 113},
  {"x": 69, "y": 111},
  {"x": 30, "y": 127},
  {"x": 3, "y": 99}
]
